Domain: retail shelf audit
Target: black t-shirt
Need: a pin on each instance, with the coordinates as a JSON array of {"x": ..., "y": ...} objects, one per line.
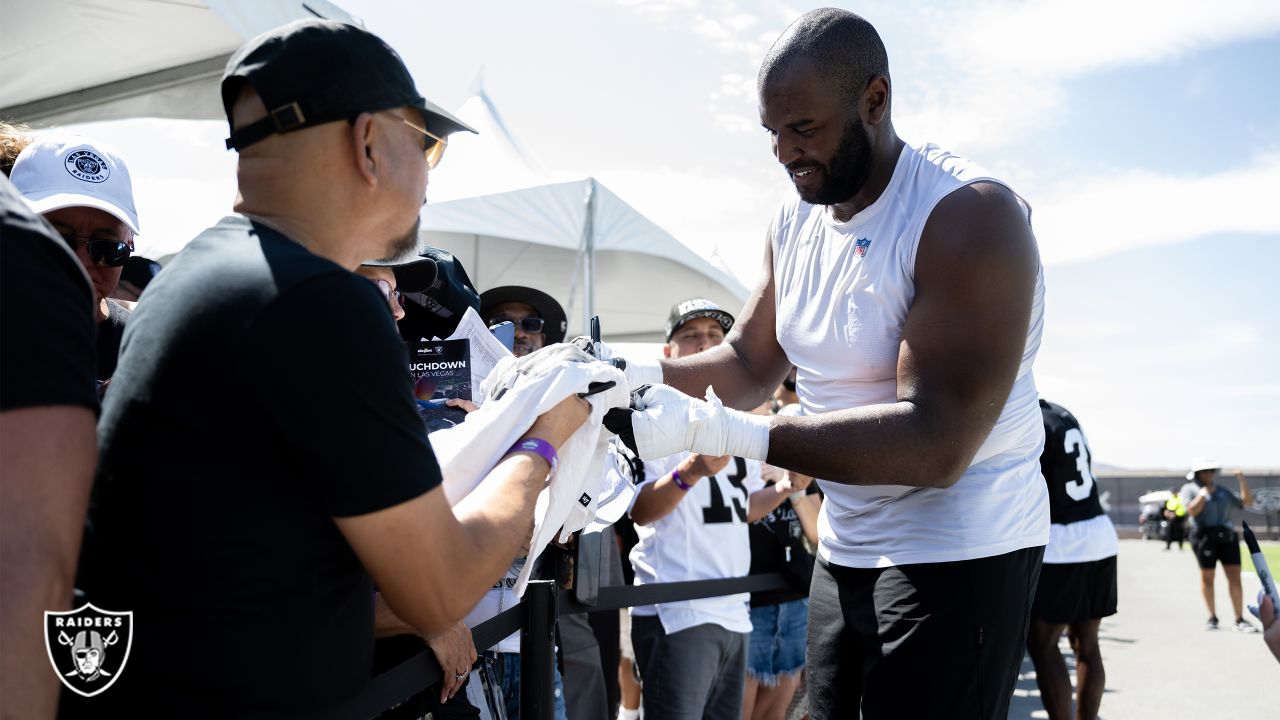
[
  {"x": 110, "y": 333},
  {"x": 771, "y": 538},
  {"x": 261, "y": 392},
  {"x": 46, "y": 312},
  {"x": 1067, "y": 466}
]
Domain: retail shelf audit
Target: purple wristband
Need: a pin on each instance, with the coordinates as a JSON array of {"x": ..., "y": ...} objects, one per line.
[
  {"x": 675, "y": 478},
  {"x": 539, "y": 447}
]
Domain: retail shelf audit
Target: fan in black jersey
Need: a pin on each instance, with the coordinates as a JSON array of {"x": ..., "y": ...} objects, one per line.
[{"x": 1078, "y": 579}]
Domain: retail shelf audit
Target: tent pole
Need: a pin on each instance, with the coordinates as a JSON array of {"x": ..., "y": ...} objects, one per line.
[{"x": 589, "y": 257}]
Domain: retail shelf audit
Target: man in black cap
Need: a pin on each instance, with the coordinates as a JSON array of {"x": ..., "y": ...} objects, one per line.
[
  {"x": 539, "y": 319},
  {"x": 263, "y": 464},
  {"x": 436, "y": 309}
]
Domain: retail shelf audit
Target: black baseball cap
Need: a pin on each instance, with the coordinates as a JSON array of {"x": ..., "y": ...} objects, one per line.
[
  {"x": 415, "y": 273},
  {"x": 683, "y": 312},
  {"x": 435, "y": 310},
  {"x": 554, "y": 322},
  {"x": 139, "y": 271},
  {"x": 311, "y": 72}
]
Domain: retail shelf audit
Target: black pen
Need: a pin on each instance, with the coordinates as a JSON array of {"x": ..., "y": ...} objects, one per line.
[{"x": 1264, "y": 572}]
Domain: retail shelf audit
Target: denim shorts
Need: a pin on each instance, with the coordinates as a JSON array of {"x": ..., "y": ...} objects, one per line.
[{"x": 776, "y": 647}]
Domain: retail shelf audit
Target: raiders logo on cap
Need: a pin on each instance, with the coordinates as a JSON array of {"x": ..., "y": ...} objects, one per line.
[{"x": 88, "y": 166}]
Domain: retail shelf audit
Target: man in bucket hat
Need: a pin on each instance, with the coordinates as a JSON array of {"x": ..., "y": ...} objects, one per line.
[{"x": 263, "y": 464}]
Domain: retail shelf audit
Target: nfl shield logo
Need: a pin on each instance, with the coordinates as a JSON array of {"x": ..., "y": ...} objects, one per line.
[
  {"x": 860, "y": 247},
  {"x": 88, "y": 646}
]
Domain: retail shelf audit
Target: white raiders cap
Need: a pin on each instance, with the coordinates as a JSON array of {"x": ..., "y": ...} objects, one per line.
[{"x": 60, "y": 170}]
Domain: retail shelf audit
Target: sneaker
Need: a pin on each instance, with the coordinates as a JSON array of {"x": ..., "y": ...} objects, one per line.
[
  {"x": 1212, "y": 624},
  {"x": 1241, "y": 626}
]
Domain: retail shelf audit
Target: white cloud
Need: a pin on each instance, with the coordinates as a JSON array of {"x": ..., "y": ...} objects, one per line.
[
  {"x": 658, "y": 10},
  {"x": 1260, "y": 390},
  {"x": 736, "y": 85},
  {"x": 734, "y": 123},
  {"x": 981, "y": 77},
  {"x": 1064, "y": 38},
  {"x": 1123, "y": 210}
]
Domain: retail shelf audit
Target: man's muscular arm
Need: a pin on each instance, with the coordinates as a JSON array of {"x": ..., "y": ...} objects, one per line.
[{"x": 962, "y": 343}]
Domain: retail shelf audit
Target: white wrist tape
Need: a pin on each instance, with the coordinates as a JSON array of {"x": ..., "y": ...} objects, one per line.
[
  {"x": 666, "y": 421},
  {"x": 717, "y": 430}
]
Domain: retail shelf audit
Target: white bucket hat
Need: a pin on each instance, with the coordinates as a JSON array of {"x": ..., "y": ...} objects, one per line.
[
  {"x": 1202, "y": 463},
  {"x": 60, "y": 170}
]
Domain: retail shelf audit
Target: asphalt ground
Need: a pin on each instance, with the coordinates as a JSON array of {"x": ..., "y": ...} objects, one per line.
[{"x": 1160, "y": 661}]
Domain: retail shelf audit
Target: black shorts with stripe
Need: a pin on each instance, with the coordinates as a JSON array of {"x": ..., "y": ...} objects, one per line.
[{"x": 1075, "y": 592}]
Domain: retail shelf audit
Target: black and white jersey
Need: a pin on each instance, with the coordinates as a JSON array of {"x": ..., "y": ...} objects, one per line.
[
  {"x": 1080, "y": 530},
  {"x": 1067, "y": 466},
  {"x": 705, "y": 537}
]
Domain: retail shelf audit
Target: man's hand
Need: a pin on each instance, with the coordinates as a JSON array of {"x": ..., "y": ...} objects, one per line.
[
  {"x": 699, "y": 466},
  {"x": 665, "y": 421},
  {"x": 466, "y": 405},
  {"x": 456, "y": 652},
  {"x": 1270, "y": 624},
  {"x": 560, "y": 422},
  {"x": 795, "y": 482}
]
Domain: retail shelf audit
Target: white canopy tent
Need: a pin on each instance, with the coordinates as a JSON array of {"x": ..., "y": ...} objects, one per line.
[
  {"x": 69, "y": 61},
  {"x": 574, "y": 239}
]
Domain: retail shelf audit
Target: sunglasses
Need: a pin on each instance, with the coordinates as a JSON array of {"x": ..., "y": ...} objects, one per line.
[
  {"x": 432, "y": 145},
  {"x": 390, "y": 295},
  {"x": 103, "y": 251},
  {"x": 531, "y": 325}
]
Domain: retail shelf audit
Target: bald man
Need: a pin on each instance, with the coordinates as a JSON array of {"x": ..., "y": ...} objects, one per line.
[
  {"x": 905, "y": 285},
  {"x": 263, "y": 464}
]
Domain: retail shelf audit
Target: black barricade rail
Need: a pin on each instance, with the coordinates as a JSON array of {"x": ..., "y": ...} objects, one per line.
[{"x": 534, "y": 617}]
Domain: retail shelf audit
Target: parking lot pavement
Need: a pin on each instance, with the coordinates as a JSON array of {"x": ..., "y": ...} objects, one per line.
[{"x": 1160, "y": 661}]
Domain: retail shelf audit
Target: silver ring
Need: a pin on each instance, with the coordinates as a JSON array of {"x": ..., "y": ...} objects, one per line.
[{"x": 459, "y": 676}]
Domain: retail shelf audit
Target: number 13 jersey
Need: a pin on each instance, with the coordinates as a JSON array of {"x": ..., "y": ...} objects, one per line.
[{"x": 704, "y": 538}]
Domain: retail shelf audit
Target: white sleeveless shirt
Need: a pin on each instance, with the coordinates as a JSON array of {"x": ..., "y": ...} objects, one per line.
[{"x": 842, "y": 293}]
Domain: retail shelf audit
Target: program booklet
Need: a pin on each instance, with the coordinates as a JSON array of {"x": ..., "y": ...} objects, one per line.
[{"x": 441, "y": 370}]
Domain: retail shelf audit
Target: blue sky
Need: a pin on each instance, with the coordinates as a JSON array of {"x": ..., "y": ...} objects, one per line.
[{"x": 1145, "y": 136}]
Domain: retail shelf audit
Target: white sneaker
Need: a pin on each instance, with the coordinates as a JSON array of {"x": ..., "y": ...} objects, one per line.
[{"x": 1241, "y": 626}]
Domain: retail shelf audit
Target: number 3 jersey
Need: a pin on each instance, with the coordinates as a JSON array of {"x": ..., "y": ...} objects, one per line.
[
  {"x": 704, "y": 538},
  {"x": 1080, "y": 529}
]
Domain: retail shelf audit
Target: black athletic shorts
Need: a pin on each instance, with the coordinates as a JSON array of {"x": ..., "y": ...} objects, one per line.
[
  {"x": 1214, "y": 545},
  {"x": 936, "y": 640},
  {"x": 1075, "y": 592}
]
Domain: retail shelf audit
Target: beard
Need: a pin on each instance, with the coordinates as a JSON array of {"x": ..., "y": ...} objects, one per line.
[
  {"x": 844, "y": 175},
  {"x": 522, "y": 347},
  {"x": 404, "y": 245}
]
